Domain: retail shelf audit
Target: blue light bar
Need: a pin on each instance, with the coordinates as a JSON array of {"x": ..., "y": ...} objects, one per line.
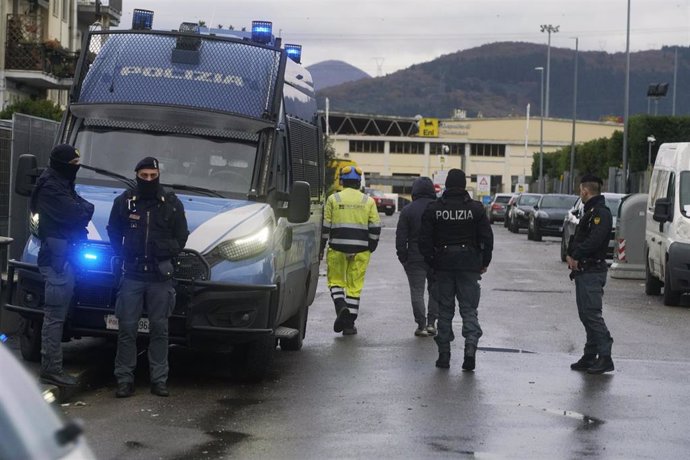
[
  {"x": 3, "y": 338},
  {"x": 294, "y": 52},
  {"x": 142, "y": 19},
  {"x": 89, "y": 256},
  {"x": 262, "y": 31}
]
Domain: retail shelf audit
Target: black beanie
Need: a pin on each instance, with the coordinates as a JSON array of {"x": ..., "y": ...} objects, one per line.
[
  {"x": 456, "y": 179},
  {"x": 591, "y": 178},
  {"x": 147, "y": 163},
  {"x": 64, "y": 153}
]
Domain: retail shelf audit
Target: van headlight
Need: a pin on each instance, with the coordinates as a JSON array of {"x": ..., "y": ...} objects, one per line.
[
  {"x": 242, "y": 248},
  {"x": 33, "y": 224}
]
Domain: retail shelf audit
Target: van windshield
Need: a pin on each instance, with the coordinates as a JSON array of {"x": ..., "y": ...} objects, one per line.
[
  {"x": 684, "y": 193},
  {"x": 216, "y": 163}
]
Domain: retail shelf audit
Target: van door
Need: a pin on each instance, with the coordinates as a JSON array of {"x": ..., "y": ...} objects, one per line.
[{"x": 660, "y": 187}]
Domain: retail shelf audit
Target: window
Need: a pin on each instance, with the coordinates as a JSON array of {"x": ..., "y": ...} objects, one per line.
[
  {"x": 56, "y": 7},
  {"x": 366, "y": 146},
  {"x": 66, "y": 4},
  {"x": 412, "y": 148},
  {"x": 488, "y": 150},
  {"x": 454, "y": 149}
]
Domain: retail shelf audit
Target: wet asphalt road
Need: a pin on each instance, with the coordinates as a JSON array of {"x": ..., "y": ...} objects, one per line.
[{"x": 378, "y": 394}]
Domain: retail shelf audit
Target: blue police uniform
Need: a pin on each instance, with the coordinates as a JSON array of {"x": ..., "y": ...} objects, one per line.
[
  {"x": 147, "y": 228},
  {"x": 63, "y": 217},
  {"x": 589, "y": 247},
  {"x": 456, "y": 240}
]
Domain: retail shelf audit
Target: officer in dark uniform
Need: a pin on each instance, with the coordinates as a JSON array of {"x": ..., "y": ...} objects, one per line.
[
  {"x": 147, "y": 228},
  {"x": 587, "y": 260},
  {"x": 456, "y": 240},
  {"x": 63, "y": 217}
]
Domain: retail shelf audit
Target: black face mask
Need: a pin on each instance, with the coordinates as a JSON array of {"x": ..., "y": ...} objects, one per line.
[
  {"x": 147, "y": 188},
  {"x": 66, "y": 170}
]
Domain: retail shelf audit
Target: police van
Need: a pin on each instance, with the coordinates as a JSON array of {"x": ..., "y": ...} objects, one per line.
[{"x": 232, "y": 118}]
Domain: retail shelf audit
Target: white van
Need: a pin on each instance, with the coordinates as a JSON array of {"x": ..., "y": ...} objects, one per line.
[{"x": 667, "y": 228}]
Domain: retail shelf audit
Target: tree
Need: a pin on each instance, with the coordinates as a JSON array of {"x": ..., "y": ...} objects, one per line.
[{"x": 37, "y": 107}]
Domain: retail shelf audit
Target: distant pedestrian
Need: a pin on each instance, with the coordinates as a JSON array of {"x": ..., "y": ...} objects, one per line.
[
  {"x": 456, "y": 240},
  {"x": 63, "y": 218},
  {"x": 147, "y": 228},
  {"x": 351, "y": 226},
  {"x": 587, "y": 260},
  {"x": 407, "y": 248}
]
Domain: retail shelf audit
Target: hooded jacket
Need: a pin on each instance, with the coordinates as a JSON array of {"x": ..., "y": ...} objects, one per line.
[{"x": 410, "y": 220}]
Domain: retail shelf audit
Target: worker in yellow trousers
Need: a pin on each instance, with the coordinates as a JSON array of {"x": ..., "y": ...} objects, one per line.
[{"x": 351, "y": 227}]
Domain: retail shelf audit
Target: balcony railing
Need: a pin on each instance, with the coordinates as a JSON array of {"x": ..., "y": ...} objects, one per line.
[{"x": 25, "y": 51}]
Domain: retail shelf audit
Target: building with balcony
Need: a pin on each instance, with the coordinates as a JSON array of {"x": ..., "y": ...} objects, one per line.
[
  {"x": 40, "y": 43},
  {"x": 393, "y": 151}
]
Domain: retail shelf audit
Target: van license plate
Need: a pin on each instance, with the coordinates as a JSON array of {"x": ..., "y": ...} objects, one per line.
[{"x": 112, "y": 323}]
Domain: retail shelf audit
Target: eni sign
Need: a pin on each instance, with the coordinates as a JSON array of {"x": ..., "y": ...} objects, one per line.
[{"x": 428, "y": 127}]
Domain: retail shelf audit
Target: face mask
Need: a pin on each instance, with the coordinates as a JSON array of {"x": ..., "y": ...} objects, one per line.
[
  {"x": 147, "y": 188},
  {"x": 68, "y": 171}
]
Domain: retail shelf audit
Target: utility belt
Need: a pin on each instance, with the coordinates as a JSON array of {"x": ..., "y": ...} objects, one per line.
[
  {"x": 462, "y": 256},
  {"x": 157, "y": 267},
  {"x": 592, "y": 264}
]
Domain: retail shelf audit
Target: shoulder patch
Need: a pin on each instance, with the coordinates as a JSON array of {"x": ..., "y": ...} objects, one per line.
[{"x": 597, "y": 219}]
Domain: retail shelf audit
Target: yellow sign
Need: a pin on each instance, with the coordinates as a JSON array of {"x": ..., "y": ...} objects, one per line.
[{"x": 428, "y": 127}]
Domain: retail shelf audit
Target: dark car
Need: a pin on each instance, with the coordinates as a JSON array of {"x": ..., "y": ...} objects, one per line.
[
  {"x": 519, "y": 211},
  {"x": 383, "y": 204},
  {"x": 546, "y": 219},
  {"x": 572, "y": 218},
  {"x": 496, "y": 210}
]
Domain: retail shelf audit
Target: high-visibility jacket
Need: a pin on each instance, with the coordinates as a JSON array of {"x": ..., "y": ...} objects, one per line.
[{"x": 351, "y": 222}]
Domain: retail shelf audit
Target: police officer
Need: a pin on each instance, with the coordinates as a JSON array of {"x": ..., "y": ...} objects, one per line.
[
  {"x": 351, "y": 226},
  {"x": 63, "y": 217},
  {"x": 587, "y": 260},
  {"x": 407, "y": 250},
  {"x": 456, "y": 240},
  {"x": 147, "y": 228}
]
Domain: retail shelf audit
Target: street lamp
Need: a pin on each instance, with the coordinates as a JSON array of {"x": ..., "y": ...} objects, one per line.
[
  {"x": 571, "y": 184},
  {"x": 650, "y": 140},
  {"x": 541, "y": 131},
  {"x": 549, "y": 29}
]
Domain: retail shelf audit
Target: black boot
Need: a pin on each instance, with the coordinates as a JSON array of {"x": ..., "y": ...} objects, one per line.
[
  {"x": 343, "y": 318},
  {"x": 603, "y": 364},
  {"x": 469, "y": 363},
  {"x": 584, "y": 363},
  {"x": 59, "y": 378},
  {"x": 124, "y": 390},
  {"x": 443, "y": 360}
]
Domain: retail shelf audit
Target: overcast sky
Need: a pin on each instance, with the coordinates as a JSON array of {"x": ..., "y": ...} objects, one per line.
[{"x": 382, "y": 36}]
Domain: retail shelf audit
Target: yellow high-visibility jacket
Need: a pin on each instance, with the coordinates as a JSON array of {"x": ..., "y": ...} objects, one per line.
[{"x": 351, "y": 222}]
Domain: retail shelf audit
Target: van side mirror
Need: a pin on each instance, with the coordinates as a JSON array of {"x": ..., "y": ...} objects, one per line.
[
  {"x": 299, "y": 204},
  {"x": 26, "y": 175},
  {"x": 662, "y": 210}
]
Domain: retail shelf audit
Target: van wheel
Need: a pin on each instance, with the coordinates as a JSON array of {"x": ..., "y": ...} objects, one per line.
[
  {"x": 299, "y": 322},
  {"x": 30, "y": 339},
  {"x": 564, "y": 250},
  {"x": 671, "y": 297},
  {"x": 652, "y": 285}
]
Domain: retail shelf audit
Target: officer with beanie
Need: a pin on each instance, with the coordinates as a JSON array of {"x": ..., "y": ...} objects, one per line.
[
  {"x": 147, "y": 228},
  {"x": 456, "y": 240},
  {"x": 63, "y": 217},
  {"x": 587, "y": 261},
  {"x": 351, "y": 227}
]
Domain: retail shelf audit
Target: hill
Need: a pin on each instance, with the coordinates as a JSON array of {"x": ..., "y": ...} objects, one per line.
[
  {"x": 332, "y": 73},
  {"x": 499, "y": 79}
]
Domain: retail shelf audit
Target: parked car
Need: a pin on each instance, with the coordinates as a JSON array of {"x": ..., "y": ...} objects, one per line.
[
  {"x": 519, "y": 211},
  {"x": 496, "y": 210},
  {"x": 29, "y": 426},
  {"x": 509, "y": 205},
  {"x": 572, "y": 218},
  {"x": 383, "y": 204},
  {"x": 546, "y": 219}
]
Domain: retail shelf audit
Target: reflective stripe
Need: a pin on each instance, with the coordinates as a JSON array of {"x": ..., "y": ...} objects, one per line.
[
  {"x": 326, "y": 224},
  {"x": 373, "y": 237},
  {"x": 352, "y": 300},
  {"x": 365, "y": 198},
  {"x": 349, "y": 242},
  {"x": 337, "y": 198},
  {"x": 353, "y": 226}
]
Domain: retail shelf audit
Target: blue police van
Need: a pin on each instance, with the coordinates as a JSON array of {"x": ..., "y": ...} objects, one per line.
[{"x": 232, "y": 118}]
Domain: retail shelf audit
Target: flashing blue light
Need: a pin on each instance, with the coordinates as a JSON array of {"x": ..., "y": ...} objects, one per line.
[
  {"x": 142, "y": 19},
  {"x": 3, "y": 338},
  {"x": 89, "y": 256},
  {"x": 294, "y": 52},
  {"x": 262, "y": 31}
]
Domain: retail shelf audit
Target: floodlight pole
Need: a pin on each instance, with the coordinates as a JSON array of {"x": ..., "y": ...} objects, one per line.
[
  {"x": 571, "y": 184},
  {"x": 549, "y": 29},
  {"x": 541, "y": 132},
  {"x": 626, "y": 104}
]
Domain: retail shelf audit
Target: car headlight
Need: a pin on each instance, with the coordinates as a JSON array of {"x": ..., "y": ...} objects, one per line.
[
  {"x": 33, "y": 224},
  {"x": 542, "y": 215},
  {"x": 244, "y": 247}
]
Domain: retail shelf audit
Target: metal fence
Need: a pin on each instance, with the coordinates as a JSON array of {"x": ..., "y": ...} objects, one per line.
[{"x": 5, "y": 153}]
